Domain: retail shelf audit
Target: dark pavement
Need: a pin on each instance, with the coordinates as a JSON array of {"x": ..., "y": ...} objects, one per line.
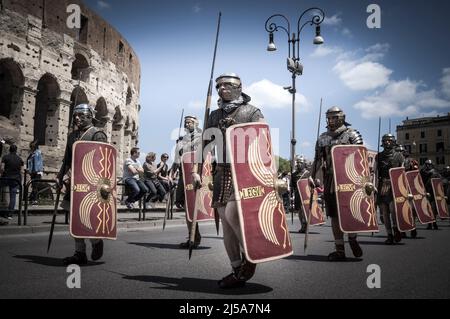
[{"x": 147, "y": 263}]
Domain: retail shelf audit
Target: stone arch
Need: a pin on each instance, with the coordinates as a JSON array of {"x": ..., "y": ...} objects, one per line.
[
  {"x": 11, "y": 84},
  {"x": 47, "y": 102},
  {"x": 80, "y": 68},
  {"x": 117, "y": 119},
  {"x": 77, "y": 97},
  {"x": 127, "y": 124},
  {"x": 101, "y": 114},
  {"x": 129, "y": 96}
]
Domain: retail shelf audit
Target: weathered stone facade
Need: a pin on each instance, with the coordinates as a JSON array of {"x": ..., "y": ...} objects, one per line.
[{"x": 46, "y": 68}]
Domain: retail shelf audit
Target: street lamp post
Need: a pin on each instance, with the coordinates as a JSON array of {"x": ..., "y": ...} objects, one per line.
[{"x": 293, "y": 61}]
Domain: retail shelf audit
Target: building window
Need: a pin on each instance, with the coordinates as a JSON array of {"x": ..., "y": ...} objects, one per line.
[
  {"x": 423, "y": 148},
  {"x": 407, "y": 136},
  {"x": 439, "y": 133},
  {"x": 408, "y": 148},
  {"x": 440, "y": 160},
  {"x": 120, "y": 47},
  {"x": 422, "y": 161},
  {"x": 83, "y": 32},
  {"x": 422, "y": 134},
  {"x": 440, "y": 147}
]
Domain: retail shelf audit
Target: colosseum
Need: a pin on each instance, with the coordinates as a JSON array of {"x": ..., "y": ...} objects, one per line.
[{"x": 46, "y": 68}]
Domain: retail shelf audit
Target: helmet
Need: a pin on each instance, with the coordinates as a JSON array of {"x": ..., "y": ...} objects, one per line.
[
  {"x": 229, "y": 87},
  {"x": 388, "y": 141},
  {"x": 82, "y": 108},
  {"x": 232, "y": 78},
  {"x": 335, "y": 118},
  {"x": 400, "y": 148},
  {"x": 300, "y": 159},
  {"x": 429, "y": 162}
]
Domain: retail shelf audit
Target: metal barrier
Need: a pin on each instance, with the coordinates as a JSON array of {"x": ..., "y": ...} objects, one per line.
[
  {"x": 34, "y": 182},
  {"x": 141, "y": 209},
  {"x": 16, "y": 181}
]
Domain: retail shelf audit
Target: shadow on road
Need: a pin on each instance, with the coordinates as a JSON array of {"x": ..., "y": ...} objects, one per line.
[
  {"x": 199, "y": 285},
  {"x": 320, "y": 258},
  {"x": 52, "y": 262},
  {"x": 165, "y": 246},
  {"x": 376, "y": 243},
  {"x": 211, "y": 237},
  {"x": 310, "y": 233}
]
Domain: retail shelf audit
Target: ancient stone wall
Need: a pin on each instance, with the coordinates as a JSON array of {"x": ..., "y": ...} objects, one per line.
[{"x": 46, "y": 68}]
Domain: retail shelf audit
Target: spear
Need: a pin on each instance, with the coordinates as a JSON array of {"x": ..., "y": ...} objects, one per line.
[
  {"x": 205, "y": 122},
  {"x": 312, "y": 190}
]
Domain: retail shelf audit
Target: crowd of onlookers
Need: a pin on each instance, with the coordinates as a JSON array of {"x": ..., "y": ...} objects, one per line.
[{"x": 149, "y": 179}]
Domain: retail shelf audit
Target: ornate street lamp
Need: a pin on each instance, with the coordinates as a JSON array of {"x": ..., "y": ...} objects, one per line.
[{"x": 293, "y": 61}]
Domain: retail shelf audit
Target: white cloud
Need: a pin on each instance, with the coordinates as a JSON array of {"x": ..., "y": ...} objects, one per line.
[
  {"x": 445, "y": 81},
  {"x": 197, "y": 104},
  {"x": 347, "y": 32},
  {"x": 305, "y": 144},
  {"x": 268, "y": 95},
  {"x": 363, "y": 73},
  {"x": 402, "y": 98},
  {"x": 103, "y": 4},
  {"x": 333, "y": 20},
  {"x": 362, "y": 76},
  {"x": 323, "y": 50},
  {"x": 197, "y": 8}
]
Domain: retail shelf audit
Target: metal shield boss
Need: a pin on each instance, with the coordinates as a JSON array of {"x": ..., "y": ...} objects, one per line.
[
  {"x": 316, "y": 213},
  {"x": 421, "y": 203},
  {"x": 93, "y": 209},
  {"x": 200, "y": 199},
  {"x": 260, "y": 207},
  {"x": 354, "y": 189},
  {"x": 402, "y": 199}
]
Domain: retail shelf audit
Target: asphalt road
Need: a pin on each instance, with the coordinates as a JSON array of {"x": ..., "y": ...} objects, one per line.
[{"x": 148, "y": 264}]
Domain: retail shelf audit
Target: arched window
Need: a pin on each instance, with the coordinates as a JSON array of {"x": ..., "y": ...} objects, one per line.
[
  {"x": 47, "y": 96},
  {"x": 129, "y": 96},
  {"x": 101, "y": 114},
  {"x": 117, "y": 120},
  {"x": 11, "y": 84},
  {"x": 80, "y": 68},
  {"x": 78, "y": 97}
]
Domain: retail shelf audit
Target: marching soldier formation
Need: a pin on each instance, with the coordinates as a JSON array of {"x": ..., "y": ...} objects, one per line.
[{"x": 235, "y": 110}]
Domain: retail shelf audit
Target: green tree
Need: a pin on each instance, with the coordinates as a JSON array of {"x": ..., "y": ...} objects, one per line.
[{"x": 284, "y": 165}]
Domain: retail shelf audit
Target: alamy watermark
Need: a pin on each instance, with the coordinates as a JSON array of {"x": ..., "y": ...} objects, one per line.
[
  {"x": 374, "y": 19},
  {"x": 374, "y": 279},
  {"x": 74, "y": 279}
]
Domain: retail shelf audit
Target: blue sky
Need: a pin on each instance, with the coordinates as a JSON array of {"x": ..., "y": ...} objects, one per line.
[{"x": 399, "y": 70}]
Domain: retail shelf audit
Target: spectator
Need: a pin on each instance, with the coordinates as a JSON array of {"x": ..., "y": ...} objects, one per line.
[
  {"x": 131, "y": 176},
  {"x": 163, "y": 175},
  {"x": 11, "y": 167},
  {"x": 35, "y": 168},
  {"x": 157, "y": 191}
]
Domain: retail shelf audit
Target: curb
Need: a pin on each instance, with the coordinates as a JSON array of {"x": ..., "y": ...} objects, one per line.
[{"x": 121, "y": 226}]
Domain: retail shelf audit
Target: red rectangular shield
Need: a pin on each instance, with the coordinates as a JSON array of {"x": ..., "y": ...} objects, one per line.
[
  {"x": 262, "y": 217},
  {"x": 202, "y": 198},
  {"x": 400, "y": 191},
  {"x": 440, "y": 198},
  {"x": 93, "y": 209},
  {"x": 421, "y": 203},
  {"x": 352, "y": 178},
  {"x": 316, "y": 213}
]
